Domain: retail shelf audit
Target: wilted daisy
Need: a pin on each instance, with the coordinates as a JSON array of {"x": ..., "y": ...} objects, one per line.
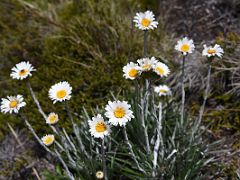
[
  {"x": 161, "y": 69},
  {"x": 99, "y": 175},
  {"x": 22, "y": 70},
  {"x": 145, "y": 20},
  {"x": 52, "y": 118},
  {"x": 12, "y": 104},
  {"x": 131, "y": 71},
  {"x": 162, "y": 90},
  {"x": 118, "y": 112},
  {"x": 147, "y": 64},
  {"x": 185, "y": 46},
  {"x": 210, "y": 51},
  {"x": 60, "y": 92},
  {"x": 98, "y": 127},
  {"x": 48, "y": 139}
]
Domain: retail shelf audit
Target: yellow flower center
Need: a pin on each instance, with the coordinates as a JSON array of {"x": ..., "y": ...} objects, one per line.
[
  {"x": 185, "y": 48},
  {"x": 13, "y": 104},
  {"x": 133, "y": 73},
  {"x": 163, "y": 91},
  {"x": 119, "y": 112},
  {"x": 52, "y": 118},
  {"x": 211, "y": 51},
  {"x": 23, "y": 72},
  {"x": 146, "y": 66},
  {"x": 48, "y": 140},
  {"x": 145, "y": 22},
  {"x": 160, "y": 70},
  {"x": 61, "y": 94},
  {"x": 101, "y": 127}
]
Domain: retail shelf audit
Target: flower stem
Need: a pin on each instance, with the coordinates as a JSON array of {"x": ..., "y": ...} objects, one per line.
[
  {"x": 206, "y": 93},
  {"x": 104, "y": 161},
  {"x": 36, "y": 136},
  {"x": 36, "y": 100},
  {"x": 143, "y": 114},
  {"x": 40, "y": 110},
  {"x": 145, "y": 43},
  {"x": 183, "y": 90},
  {"x": 158, "y": 141}
]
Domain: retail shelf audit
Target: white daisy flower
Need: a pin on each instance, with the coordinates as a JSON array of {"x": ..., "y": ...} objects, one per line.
[
  {"x": 210, "y": 51},
  {"x": 145, "y": 20},
  {"x": 98, "y": 127},
  {"x": 60, "y": 92},
  {"x": 185, "y": 46},
  {"x": 162, "y": 90},
  {"x": 161, "y": 69},
  {"x": 99, "y": 175},
  {"x": 118, "y": 112},
  {"x": 147, "y": 64},
  {"x": 48, "y": 139},
  {"x": 22, "y": 70},
  {"x": 131, "y": 71},
  {"x": 52, "y": 118},
  {"x": 12, "y": 104}
]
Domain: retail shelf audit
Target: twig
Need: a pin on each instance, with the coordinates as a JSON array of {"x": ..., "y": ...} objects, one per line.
[
  {"x": 36, "y": 173},
  {"x": 131, "y": 149},
  {"x": 15, "y": 135},
  {"x": 21, "y": 146},
  {"x": 104, "y": 161}
]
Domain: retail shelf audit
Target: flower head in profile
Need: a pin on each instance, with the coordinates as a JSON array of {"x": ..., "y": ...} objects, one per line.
[
  {"x": 52, "y": 118},
  {"x": 99, "y": 175},
  {"x": 98, "y": 127},
  {"x": 185, "y": 46},
  {"x": 48, "y": 139},
  {"x": 161, "y": 69},
  {"x": 22, "y": 70},
  {"x": 147, "y": 64},
  {"x": 60, "y": 92},
  {"x": 145, "y": 20},
  {"x": 210, "y": 51},
  {"x": 131, "y": 71},
  {"x": 118, "y": 112},
  {"x": 12, "y": 104},
  {"x": 162, "y": 90}
]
